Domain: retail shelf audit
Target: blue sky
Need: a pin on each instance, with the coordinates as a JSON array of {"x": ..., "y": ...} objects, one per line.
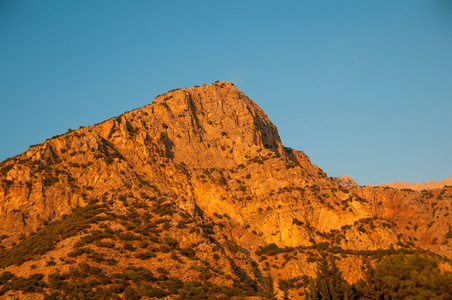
[{"x": 364, "y": 88}]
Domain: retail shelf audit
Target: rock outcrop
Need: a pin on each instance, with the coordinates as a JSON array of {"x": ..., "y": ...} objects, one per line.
[{"x": 345, "y": 181}]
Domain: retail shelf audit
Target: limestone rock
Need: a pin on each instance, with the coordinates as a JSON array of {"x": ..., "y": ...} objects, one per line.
[{"x": 346, "y": 181}]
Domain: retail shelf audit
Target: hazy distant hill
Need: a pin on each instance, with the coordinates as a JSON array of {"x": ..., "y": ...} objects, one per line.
[{"x": 420, "y": 186}]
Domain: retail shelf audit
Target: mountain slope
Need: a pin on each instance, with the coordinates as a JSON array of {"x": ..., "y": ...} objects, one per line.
[{"x": 199, "y": 184}]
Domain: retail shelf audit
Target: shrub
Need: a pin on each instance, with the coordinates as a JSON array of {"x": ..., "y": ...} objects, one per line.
[
  {"x": 388, "y": 225},
  {"x": 405, "y": 277},
  {"x": 188, "y": 252},
  {"x": 6, "y": 169},
  {"x": 150, "y": 291},
  {"x": 131, "y": 294},
  {"x": 297, "y": 222},
  {"x": 162, "y": 270},
  {"x": 129, "y": 247},
  {"x": 270, "y": 249},
  {"x": 31, "y": 284},
  {"x": 172, "y": 243},
  {"x": 41, "y": 242},
  {"x": 361, "y": 228},
  {"x": 448, "y": 235},
  {"x": 145, "y": 255}
]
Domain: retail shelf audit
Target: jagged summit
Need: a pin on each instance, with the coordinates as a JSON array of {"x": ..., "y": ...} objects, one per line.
[
  {"x": 206, "y": 119},
  {"x": 345, "y": 181}
]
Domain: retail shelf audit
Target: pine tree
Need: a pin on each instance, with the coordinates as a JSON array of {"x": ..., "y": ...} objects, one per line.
[
  {"x": 329, "y": 283},
  {"x": 271, "y": 293},
  {"x": 402, "y": 277},
  {"x": 286, "y": 295},
  {"x": 313, "y": 292}
]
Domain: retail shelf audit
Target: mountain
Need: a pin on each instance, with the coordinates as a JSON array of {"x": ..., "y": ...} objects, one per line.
[
  {"x": 345, "y": 181},
  {"x": 194, "y": 196},
  {"x": 420, "y": 186}
]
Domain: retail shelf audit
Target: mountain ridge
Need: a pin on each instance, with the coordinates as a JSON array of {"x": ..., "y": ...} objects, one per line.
[{"x": 431, "y": 184}]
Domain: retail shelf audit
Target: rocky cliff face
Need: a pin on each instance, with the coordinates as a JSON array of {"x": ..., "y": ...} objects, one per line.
[{"x": 212, "y": 155}]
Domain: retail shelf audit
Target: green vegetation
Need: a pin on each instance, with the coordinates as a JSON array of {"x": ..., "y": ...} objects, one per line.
[
  {"x": 283, "y": 255},
  {"x": 138, "y": 237},
  {"x": 145, "y": 231},
  {"x": 41, "y": 242},
  {"x": 271, "y": 292},
  {"x": 31, "y": 284},
  {"x": 329, "y": 282},
  {"x": 406, "y": 277},
  {"x": 257, "y": 159},
  {"x": 297, "y": 222},
  {"x": 393, "y": 277},
  {"x": 134, "y": 283},
  {"x": 6, "y": 169}
]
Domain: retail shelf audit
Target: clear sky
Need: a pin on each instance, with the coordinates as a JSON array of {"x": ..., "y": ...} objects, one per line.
[{"x": 364, "y": 88}]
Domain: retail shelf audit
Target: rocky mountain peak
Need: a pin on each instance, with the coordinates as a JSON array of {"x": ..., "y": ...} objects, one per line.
[
  {"x": 216, "y": 123},
  {"x": 206, "y": 127},
  {"x": 345, "y": 181}
]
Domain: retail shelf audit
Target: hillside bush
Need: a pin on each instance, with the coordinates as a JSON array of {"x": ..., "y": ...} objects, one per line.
[
  {"x": 406, "y": 277},
  {"x": 39, "y": 243}
]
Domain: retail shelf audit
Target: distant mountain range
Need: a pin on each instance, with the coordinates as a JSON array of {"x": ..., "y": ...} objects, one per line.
[
  {"x": 348, "y": 182},
  {"x": 418, "y": 186}
]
